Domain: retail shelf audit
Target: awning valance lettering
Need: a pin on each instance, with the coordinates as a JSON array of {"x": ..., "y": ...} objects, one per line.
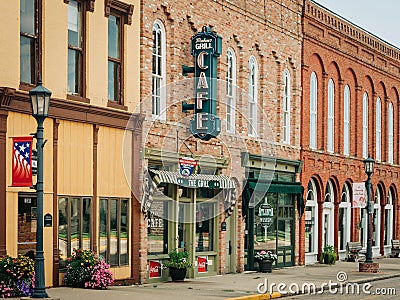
[{"x": 193, "y": 181}]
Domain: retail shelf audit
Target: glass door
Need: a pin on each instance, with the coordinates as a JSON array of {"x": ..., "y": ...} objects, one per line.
[{"x": 285, "y": 230}]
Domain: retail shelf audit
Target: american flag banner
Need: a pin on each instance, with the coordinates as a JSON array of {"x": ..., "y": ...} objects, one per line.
[{"x": 22, "y": 161}]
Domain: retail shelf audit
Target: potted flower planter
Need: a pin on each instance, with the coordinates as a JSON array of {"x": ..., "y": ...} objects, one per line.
[
  {"x": 177, "y": 274},
  {"x": 265, "y": 266}
]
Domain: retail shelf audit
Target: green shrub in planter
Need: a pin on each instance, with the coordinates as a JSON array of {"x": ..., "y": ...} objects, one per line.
[{"x": 328, "y": 255}]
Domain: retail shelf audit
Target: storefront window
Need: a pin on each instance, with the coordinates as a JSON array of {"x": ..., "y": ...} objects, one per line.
[
  {"x": 114, "y": 216},
  {"x": 389, "y": 219},
  {"x": 74, "y": 225},
  {"x": 376, "y": 219},
  {"x": 265, "y": 224},
  {"x": 27, "y": 218},
  {"x": 344, "y": 218},
  {"x": 204, "y": 226},
  {"x": 157, "y": 228},
  {"x": 311, "y": 218}
]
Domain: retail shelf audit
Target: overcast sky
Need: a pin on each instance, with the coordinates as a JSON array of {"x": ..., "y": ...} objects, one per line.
[{"x": 382, "y": 18}]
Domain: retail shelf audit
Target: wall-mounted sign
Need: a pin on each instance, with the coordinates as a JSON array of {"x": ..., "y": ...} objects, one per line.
[
  {"x": 266, "y": 214},
  {"x": 202, "y": 264},
  {"x": 206, "y": 47},
  {"x": 187, "y": 165},
  {"x": 154, "y": 269},
  {"x": 48, "y": 220}
]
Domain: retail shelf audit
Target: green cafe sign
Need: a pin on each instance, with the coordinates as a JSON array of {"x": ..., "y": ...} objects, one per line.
[{"x": 206, "y": 47}]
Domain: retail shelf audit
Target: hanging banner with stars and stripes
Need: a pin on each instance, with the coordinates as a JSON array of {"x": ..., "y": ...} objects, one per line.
[{"x": 22, "y": 161}]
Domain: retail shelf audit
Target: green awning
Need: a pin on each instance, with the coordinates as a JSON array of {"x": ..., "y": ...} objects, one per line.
[{"x": 282, "y": 188}]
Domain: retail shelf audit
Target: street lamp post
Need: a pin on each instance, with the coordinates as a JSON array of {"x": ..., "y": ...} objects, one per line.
[
  {"x": 40, "y": 102},
  {"x": 369, "y": 169}
]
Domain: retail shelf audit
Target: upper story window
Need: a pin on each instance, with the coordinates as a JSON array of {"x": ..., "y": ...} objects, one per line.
[
  {"x": 378, "y": 129},
  {"x": 29, "y": 41},
  {"x": 118, "y": 14},
  {"x": 313, "y": 110},
  {"x": 114, "y": 59},
  {"x": 365, "y": 126},
  {"x": 252, "y": 96},
  {"x": 286, "y": 106},
  {"x": 230, "y": 91},
  {"x": 158, "y": 71},
  {"x": 390, "y": 133},
  {"x": 75, "y": 47},
  {"x": 346, "y": 121},
  {"x": 331, "y": 115}
]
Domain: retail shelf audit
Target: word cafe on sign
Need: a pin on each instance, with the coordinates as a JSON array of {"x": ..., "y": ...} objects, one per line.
[{"x": 206, "y": 48}]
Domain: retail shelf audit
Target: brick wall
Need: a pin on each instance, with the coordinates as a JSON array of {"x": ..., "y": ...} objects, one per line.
[
  {"x": 335, "y": 49},
  {"x": 267, "y": 30}
]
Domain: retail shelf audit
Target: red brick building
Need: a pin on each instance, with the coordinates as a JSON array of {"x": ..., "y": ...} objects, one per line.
[
  {"x": 259, "y": 105},
  {"x": 350, "y": 109}
]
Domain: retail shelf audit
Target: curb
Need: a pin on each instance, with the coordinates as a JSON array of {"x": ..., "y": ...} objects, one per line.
[
  {"x": 275, "y": 295},
  {"x": 266, "y": 296}
]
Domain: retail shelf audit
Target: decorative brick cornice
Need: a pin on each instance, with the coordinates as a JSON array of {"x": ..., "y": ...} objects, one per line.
[{"x": 124, "y": 9}]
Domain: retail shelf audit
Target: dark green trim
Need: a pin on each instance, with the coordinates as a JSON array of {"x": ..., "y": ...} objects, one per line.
[{"x": 286, "y": 188}]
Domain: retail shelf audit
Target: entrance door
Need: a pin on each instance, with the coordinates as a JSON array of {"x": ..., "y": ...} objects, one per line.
[
  {"x": 230, "y": 244},
  {"x": 285, "y": 232},
  {"x": 27, "y": 218}
]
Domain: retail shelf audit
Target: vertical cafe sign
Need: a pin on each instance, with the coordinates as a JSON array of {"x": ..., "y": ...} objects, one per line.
[{"x": 206, "y": 47}]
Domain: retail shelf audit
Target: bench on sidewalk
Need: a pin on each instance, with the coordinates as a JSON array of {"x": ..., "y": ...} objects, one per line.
[
  {"x": 353, "y": 251},
  {"x": 395, "y": 248}
]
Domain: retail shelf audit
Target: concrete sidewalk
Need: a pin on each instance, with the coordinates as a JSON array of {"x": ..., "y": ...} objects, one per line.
[{"x": 235, "y": 285}]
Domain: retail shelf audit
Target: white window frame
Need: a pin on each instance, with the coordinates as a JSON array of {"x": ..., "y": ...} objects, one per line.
[
  {"x": 390, "y": 133},
  {"x": 378, "y": 130},
  {"x": 231, "y": 91},
  {"x": 331, "y": 116},
  {"x": 313, "y": 110},
  {"x": 389, "y": 223},
  {"x": 328, "y": 209},
  {"x": 346, "y": 120},
  {"x": 252, "y": 97},
  {"x": 365, "y": 126},
  {"x": 346, "y": 205},
  {"x": 377, "y": 207},
  {"x": 286, "y": 106},
  {"x": 158, "y": 93},
  {"x": 311, "y": 201}
]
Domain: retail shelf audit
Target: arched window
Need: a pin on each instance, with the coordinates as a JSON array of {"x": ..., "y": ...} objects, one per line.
[
  {"x": 286, "y": 106},
  {"x": 311, "y": 223},
  {"x": 390, "y": 133},
  {"x": 313, "y": 110},
  {"x": 158, "y": 71},
  {"x": 365, "y": 126},
  {"x": 230, "y": 91},
  {"x": 331, "y": 115},
  {"x": 388, "y": 234},
  {"x": 252, "y": 96},
  {"x": 378, "y": 129},
  {"x": 344, "y": 220},
  {"x": 327, "y": 215},
  {"x": 346, "y": 121},
  {"x": 376, "y": 219}
]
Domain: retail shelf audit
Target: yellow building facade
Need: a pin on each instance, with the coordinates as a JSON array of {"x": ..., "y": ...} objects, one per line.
[{"x": 87, "y": 53}]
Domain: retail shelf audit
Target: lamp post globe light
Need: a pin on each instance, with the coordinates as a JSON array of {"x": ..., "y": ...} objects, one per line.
[
  {"x": 40, "y": 102},
  {"x": 369, "y": 164}
]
